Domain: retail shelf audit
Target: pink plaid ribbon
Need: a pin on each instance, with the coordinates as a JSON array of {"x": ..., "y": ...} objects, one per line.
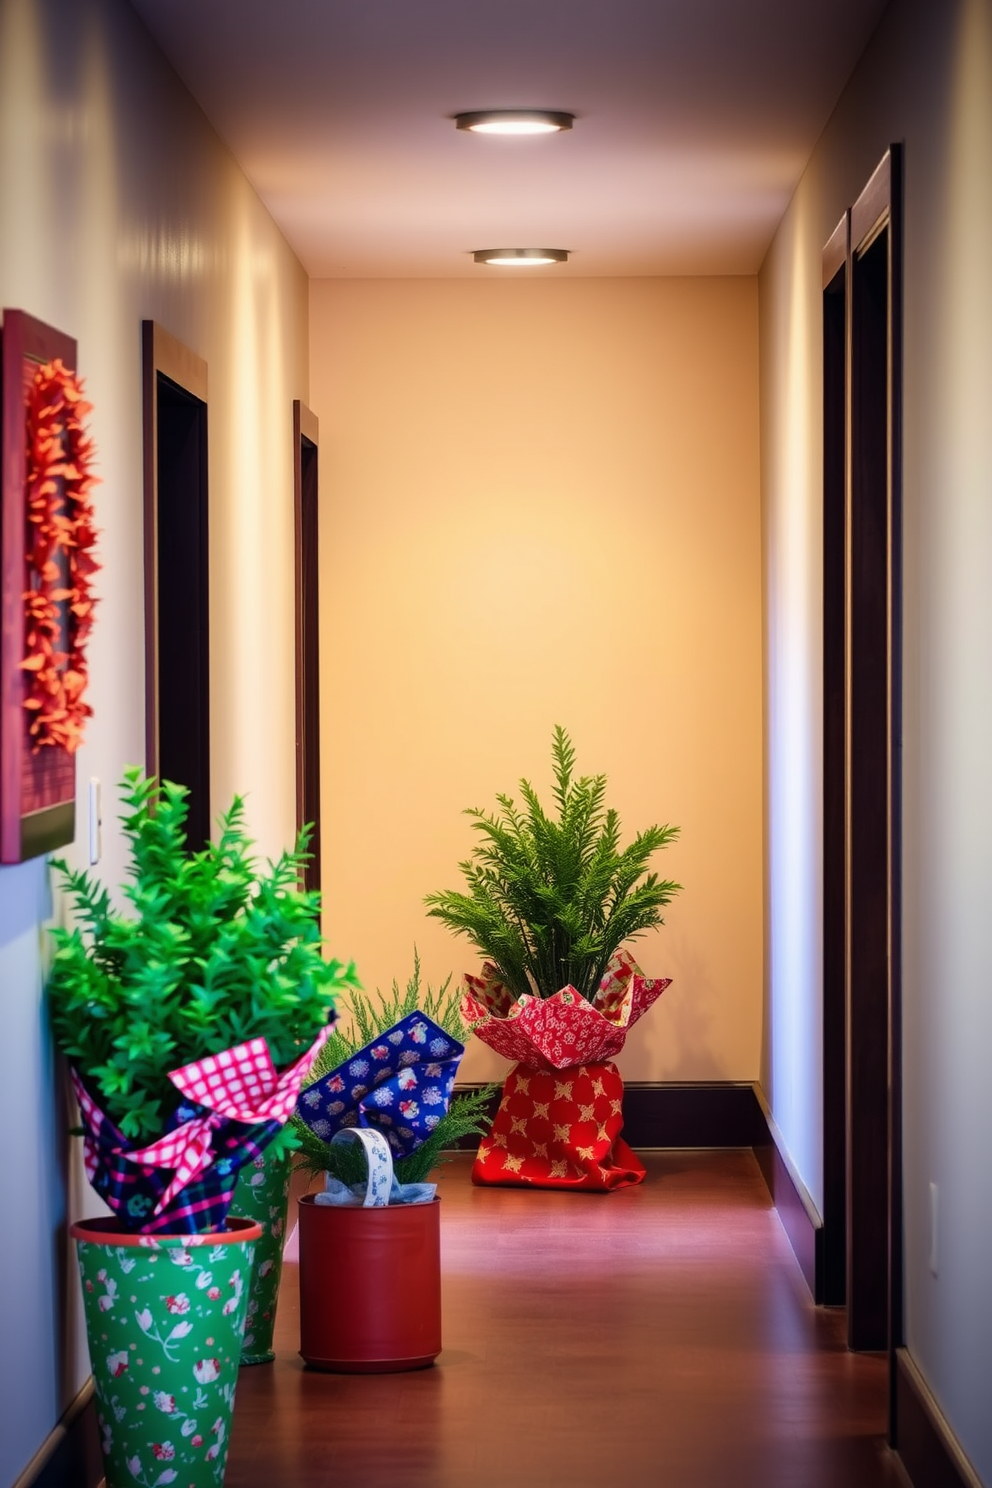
[
  {"x": 94, "y": 1120},
  {"x": 239, "y": 1084}
]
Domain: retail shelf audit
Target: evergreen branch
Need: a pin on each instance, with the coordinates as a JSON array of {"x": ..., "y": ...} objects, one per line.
[
  {"x": 467, "y": 1114},
  {"x": 550, "y": 900}
]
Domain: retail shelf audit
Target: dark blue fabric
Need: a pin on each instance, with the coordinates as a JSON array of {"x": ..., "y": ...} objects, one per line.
[
  {"x": 133, "y": 1190},
  {"x": 400, "y": 1083}
]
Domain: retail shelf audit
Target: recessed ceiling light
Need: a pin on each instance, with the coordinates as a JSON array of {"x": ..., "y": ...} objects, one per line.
[
  {"x": 528, "y": 257},
  {"x": 514, "y": 121}
]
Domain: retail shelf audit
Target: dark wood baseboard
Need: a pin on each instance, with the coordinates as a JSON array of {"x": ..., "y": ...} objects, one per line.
[
  {"x": 927, "y": 1446},
  {"x": 717, "y": 1113},
  {"x": 70, "y": 1456},
  {"x": 796, "y": 1209}
]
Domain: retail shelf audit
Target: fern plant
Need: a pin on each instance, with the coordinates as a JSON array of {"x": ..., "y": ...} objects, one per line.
[
  {"x": 551, "y": 897},
  {"x": 468, "y": 1113},
  {"x": 216, "y": 952},
  {"x": 371, "y": 1016}
]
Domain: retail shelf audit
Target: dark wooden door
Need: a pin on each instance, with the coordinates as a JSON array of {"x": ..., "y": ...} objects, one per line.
[
  {"x": 305, "y": 432},
  {"x": 874, "y": 775},
  {"x": 177, "y": 586},
  {"x": 832, "y": 1282},
  {"x": 862, "y": 776}
]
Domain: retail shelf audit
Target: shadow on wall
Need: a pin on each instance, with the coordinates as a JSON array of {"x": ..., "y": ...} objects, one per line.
[
  {"x": 678, "y": 1032},
  {"x": 55, "y": 1188},
  {"x": 25, "y": 900}
]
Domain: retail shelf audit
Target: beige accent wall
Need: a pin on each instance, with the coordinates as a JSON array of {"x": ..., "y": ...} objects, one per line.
[{"x": 540, "y": 504}]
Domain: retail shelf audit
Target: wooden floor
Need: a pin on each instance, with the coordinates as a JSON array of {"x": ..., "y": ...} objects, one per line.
[{"x": 658, "y": 1337}]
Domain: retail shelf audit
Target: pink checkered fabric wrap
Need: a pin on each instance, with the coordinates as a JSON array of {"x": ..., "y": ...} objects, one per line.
[
  {"x": 238, "y": 1084},
  {"x": 93, "y": 1118},
  {"x": 242, "y": 1084}
]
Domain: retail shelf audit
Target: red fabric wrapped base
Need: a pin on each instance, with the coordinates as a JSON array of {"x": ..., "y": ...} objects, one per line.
[{"x": 559, "y": 1129}]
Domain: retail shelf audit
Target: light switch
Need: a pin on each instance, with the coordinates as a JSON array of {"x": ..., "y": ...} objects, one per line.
[{"x": 96, "y": 820}]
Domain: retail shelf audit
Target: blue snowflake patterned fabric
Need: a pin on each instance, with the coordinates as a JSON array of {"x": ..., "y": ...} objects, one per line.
[{"x": 400, "y": 1084}]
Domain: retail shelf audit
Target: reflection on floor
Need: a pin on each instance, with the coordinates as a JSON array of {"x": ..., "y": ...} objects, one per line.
[{"x": 658, "y": 1337}]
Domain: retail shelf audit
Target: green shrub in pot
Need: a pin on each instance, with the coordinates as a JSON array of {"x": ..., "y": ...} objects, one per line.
[{"x": 550, "y": 896}]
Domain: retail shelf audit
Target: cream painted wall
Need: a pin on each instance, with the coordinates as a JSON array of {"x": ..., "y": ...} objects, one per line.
[
  {"x": 539, "y": 504},
  {"x": 926, "y": 80},
  {"x": 119, "y": 202}
]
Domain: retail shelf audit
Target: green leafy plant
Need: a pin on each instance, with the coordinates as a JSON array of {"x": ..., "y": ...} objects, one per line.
[
  {"x": 217, "y": 951},
  {"x": 550, "y": 898},
  {"x": 371, "y": 1016}
]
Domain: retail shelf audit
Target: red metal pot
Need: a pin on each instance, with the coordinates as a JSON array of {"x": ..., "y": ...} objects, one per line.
[{"x": 370, "y": 1286}]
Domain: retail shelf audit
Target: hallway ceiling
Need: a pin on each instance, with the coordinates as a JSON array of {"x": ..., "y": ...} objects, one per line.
[{"x": 694, "y": 120}]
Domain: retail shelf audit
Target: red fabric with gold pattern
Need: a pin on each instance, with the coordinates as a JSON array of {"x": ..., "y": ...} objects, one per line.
[{"x": 559, "y": 1129}]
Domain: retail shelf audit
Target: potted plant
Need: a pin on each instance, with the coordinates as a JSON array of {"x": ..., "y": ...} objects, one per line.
[
  {"x": 370, "y": 1269},
  {"x": 261, "y": 1194},
  {"x": 552, "y": 900},
  {"x": 188, "y": 1022}
]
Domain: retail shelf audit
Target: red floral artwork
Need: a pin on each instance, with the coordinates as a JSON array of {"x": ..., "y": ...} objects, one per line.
[{"x": 60, "y": 561}]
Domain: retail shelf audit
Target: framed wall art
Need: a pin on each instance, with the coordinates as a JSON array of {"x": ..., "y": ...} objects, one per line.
[{"x": 47, "y": 562}]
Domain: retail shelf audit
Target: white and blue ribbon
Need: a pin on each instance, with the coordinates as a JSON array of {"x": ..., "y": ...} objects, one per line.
[{"x": 379, "y": 1161}]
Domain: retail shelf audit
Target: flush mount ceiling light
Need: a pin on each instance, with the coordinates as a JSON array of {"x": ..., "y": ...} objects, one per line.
[
  {"x": 514, "y": 121},
  {"x": 528, "y": 257}
]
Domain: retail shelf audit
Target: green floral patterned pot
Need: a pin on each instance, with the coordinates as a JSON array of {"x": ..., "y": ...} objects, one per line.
[
  {"x": 262, "y": 1194},
  {"x": 165, "y": 1315}
]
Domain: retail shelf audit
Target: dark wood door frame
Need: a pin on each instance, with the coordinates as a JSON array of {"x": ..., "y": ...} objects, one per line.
[
  {"x": 862, "y": 782},
  {"x": 305, "y": 505},
  {"x": 174, "y": 387},
  {"x": 836, "y": 380}
]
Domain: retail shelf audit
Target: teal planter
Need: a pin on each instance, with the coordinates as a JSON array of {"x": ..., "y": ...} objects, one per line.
[
  {"x": 165, "y": 1316},
  {"x": 262, "y": 1194}
]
